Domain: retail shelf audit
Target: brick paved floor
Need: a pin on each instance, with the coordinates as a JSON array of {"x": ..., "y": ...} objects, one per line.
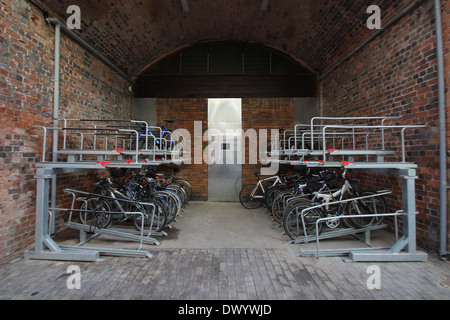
[
  {"x": 200, "y": 274},
  {"x": 177, "y": 273}
]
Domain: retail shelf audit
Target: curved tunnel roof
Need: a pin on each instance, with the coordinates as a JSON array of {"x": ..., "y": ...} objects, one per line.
[{"x": 135, "y": 33}]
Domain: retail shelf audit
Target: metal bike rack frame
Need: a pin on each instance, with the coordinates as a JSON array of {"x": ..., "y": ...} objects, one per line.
[
  {"x": 405, "y": 248},
  {"x": 365, "y": 230},
  {"x": 45, "y": 247},
  {"x": 118, "y": 232},
  {"x": 126, "y": 129},
  {"x": 340, "y": 232}
]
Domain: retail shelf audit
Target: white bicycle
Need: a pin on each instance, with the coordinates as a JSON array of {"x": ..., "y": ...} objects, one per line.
[
  {"x": 347, "y": 200},
  {"x": 251, "y": 196}
]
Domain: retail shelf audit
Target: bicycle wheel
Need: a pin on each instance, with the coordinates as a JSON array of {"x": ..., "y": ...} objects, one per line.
[
  {"x": 372, "y": 205},
  {"x": 249, "y": 200},
  {"x": 171, "y": 201},
  {"x": 179, "y": 191},
  {"x": 293, "y": 223},
  {"x": 155, "y": 216},
  {"x": 279, "y": 205},
  {"x": 96, "y": 213},
  {"x": 186, "y": 187},
  {"x": 271, "y": 194}
]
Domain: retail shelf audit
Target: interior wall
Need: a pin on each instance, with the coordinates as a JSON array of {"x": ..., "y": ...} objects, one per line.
[
  {"x": 144, "y": 109},
  {"x": 393, "y": 75},
  {"x": 305, "y": 109},
  {"x": 88, "y": 89},
  {"x": 264, "y": 114},
  {"x": 396, "y": 75},
  {"x": 257, "y": 113},
  {"x": 184, "y": 112}
]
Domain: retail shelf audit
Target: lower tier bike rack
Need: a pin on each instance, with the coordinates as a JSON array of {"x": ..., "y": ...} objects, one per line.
[
  {"x": 46, "y": 248},
  {"x": 339, "y": 232},
  {"x": 405, "y": 248}
]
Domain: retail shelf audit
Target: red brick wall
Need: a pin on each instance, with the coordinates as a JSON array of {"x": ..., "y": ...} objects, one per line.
[
  {"x": 263, "y": 113},
  {"x": 88, "y": 89},
  {"x": 396, "y": 75},
  {"x": 184, "y": 112},
  {"x": 257, "y": 113}
]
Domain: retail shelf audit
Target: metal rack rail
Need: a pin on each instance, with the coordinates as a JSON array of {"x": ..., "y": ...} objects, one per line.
[
  {"x": 45, "y": 246},
  {"x": 314, "y": 146},
  {"x": 95, "y": 231},
  {"x": 95, "y": 144},
  {"x": 300, "y": 215},
  {"x": 141, "y": 236},
  {"x": 339, "y": 233},
  {"x": 363, "y": 140},
  {"x": 115, "y": 141}
]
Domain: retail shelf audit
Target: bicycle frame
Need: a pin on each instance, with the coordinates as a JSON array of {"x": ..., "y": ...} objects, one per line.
[
  {"x": 260, "y": 185},
  {"x": 328, "y": 197},
  {"x": 117, "y": 196},
  {"x": 302, "y": 185},
  {"x": 165, "y": 135}
]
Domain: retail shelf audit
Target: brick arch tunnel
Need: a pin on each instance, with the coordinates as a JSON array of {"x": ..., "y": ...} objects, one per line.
[
  {"x": 276, "y": 91},
  {"x": 352, "y": 70}
]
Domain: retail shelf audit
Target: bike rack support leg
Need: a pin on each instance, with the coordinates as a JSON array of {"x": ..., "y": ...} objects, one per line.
[
  {"x": 45, "y": 247},
  {"x": 405, "y": 248},
  {"x": 367, "y": 237}
]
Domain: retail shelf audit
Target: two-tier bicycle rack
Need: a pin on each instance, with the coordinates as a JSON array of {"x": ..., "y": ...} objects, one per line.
[
  {"x": 114, "y": 144},
  {"x": 96, "y": 144},
  {"x": 323, "y": 141}
]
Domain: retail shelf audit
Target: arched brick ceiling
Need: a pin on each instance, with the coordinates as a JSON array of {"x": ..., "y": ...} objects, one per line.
[{"x": 135, "y": 33}]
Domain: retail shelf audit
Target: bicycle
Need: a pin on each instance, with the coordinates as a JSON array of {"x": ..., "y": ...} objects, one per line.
[
  {"x": 161, "y": 188},
  {"x": 168, "y": 198},
  {"x": 164, "y": 142},
  {"x": 169, "y": 182},
  {"x": 301, "y": 190},
  {"x": 251, "y": 196},
  {"x": 297, "y": 224},
  {"x": 288, "y": 183},
  {"x": 108, "y": 204}
]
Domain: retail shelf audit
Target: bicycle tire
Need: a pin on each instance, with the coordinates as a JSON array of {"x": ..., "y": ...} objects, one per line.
[
  {"x": 376, "y": 204},
  {"x": 186, "y": 187},
  {"x": 247, "y": 201},
  {"x": 293, "y": 224},
  {"x": 155, "y": 216},
  {"x": 271, "y": 194},
  {"x": 96, "y": 213},
  {"x": 279, "y": 205},
  {"x": 172, "y": 203},
  {"x": 179, "y": 191}
]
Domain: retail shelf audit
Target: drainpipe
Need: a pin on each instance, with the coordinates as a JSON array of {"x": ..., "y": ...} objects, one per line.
[
  {"x": 442, "y": 132},
  {"x": 58, "y": 26},
  {"x": 55, "y": 125},
  {"x": 56, "y": 91}
]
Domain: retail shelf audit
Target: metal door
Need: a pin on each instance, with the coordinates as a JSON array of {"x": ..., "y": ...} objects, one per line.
[{"x": 224, "y": 134}]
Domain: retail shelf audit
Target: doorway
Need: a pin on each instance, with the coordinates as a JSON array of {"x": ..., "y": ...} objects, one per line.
[{"x": 224, "y": 149}]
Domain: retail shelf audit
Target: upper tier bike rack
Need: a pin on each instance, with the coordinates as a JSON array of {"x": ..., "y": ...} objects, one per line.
[{"x": 115, "y": 141}]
